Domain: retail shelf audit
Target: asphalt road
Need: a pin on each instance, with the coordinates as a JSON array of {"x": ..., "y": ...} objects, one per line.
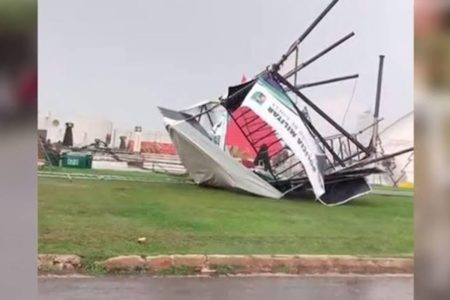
[{"x": 264, "y": 288}]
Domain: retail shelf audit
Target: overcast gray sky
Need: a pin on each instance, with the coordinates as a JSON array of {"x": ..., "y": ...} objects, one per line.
[{"x": 119, "y": 60}]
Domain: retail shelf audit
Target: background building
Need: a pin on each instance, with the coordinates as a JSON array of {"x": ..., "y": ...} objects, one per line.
[{"x": 85, "y": 130}]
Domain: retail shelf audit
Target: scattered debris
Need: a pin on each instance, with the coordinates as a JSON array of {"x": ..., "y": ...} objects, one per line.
[{"x": 141, "y": 240}]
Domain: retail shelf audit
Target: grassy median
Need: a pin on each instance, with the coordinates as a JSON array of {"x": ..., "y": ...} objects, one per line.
[{"x": 98, "y": 219}]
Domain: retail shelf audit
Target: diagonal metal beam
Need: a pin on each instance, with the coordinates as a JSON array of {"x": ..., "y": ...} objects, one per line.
[
  {"x": 304, "y": 35},
  {"x": 373, "y": 142},
  {"x": 274, "y": 142},
  {"x": 265, "y": 136},
  {"x": 317, "y": 56},
  {"x": 249, "y": 122},
  {"x": 259, "y": 128},
  {"x": 309, "y": 124},
  {"x": 385, "y": 157},
  {"x": 322, "y": 114},
  {"x": 379, "y": 86},
  {"x": 328, "y": 81},
  {"x": 249, "y": 141},
  {"x": 289, "y": 168}
]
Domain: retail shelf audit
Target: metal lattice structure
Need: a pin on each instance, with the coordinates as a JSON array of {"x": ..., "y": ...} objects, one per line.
[{"x": 341, "y": 161}]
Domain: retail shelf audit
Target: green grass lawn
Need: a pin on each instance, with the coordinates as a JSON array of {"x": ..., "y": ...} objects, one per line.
[
  {"x": 131, "y": 174},
  {"x": 390, "y": 188},
  {"x": 98, "y": 219}
]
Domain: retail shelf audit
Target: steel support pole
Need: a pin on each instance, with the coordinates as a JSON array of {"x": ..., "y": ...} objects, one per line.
[
  {"x": 344, "y": 132},
  {"x": 392, "y": 155},
  {"x": 379, "y": 86},
  {"x": 304, "y": 35},
  {"x": 328, "y": 81},
  {"x": 308, "y": 123},
  {"x": 376, "y": 114},
  {"x": 319, "y": 55}
]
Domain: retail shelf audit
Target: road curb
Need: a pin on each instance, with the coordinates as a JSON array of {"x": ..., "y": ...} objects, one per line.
[
  {"x": 230, "y": 264},
  {"x": 56, "y": 263}
]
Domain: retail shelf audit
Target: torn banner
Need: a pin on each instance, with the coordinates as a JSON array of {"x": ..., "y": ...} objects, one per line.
[{"x": 272, "y": 105}]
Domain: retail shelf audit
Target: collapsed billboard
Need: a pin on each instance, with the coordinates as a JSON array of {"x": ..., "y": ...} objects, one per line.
[{"x": 258, "y": 140}]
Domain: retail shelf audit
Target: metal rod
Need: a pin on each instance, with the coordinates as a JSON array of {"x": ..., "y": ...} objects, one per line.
[
  {"x": 303, "y": 171},
  {"x": 309, "y": 124},
  {"x": 376, "y": 113},
  {"x": 350, "y": 147},
  {"x": 250, "y": 142},
  {"x": 273, "y": 143},
  {"x": 285, "y": 159},
  {"x": 210, "y": 120},
  {"x": 321, "y": 113},
  {"x": 296, "y": 64},
  {"x": 370, "y": 126},
  {"x": 294, "y": 187},
  {"x": 47, "y": 157},
  {"x": 243, "y": 114},
  {"x": 333, "y": 80},
  {"x": 319, "y": 55},
  {"x": 279, "y": 151},
  {"x": 332, "y": 144},
  {"x": 252, "y": 120},
  {"x": 301, "y": 180},
  {"x": 265, "y": 136},
  {"x": 322, "y": 139},
  {"x": 200, "y": 114},
  {"x": 363, "y": 163},
  {"x": 257, "y": 129},
  {"x": 402, "y": 171},
  {"x": 288, "y": 168},
  {"x": 242, "y": 131},
  {"x": 379, "y": 86},
  {"x": 358, "y": 153},
  {"x": 245, "y": 120},
  {"x": 255, "y": 124},
  {"x": 332, "y": 137},
  {"x": 305, "y": 34}
]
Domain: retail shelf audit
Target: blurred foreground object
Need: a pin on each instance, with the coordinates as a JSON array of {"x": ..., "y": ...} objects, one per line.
[
  {"x": 18, "y": 149},
  {"x": 432, "y": 44},
  {"x": 18, "y": 61},
  {"x": 432, "y": 206},
  {"x": 432, "y": 135}
]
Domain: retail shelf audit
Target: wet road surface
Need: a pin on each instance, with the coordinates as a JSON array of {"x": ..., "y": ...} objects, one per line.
[{"x": 224, "y": 288}]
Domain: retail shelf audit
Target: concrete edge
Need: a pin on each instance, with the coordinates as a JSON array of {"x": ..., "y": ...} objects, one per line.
[{"x": 227, "y": 264}]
